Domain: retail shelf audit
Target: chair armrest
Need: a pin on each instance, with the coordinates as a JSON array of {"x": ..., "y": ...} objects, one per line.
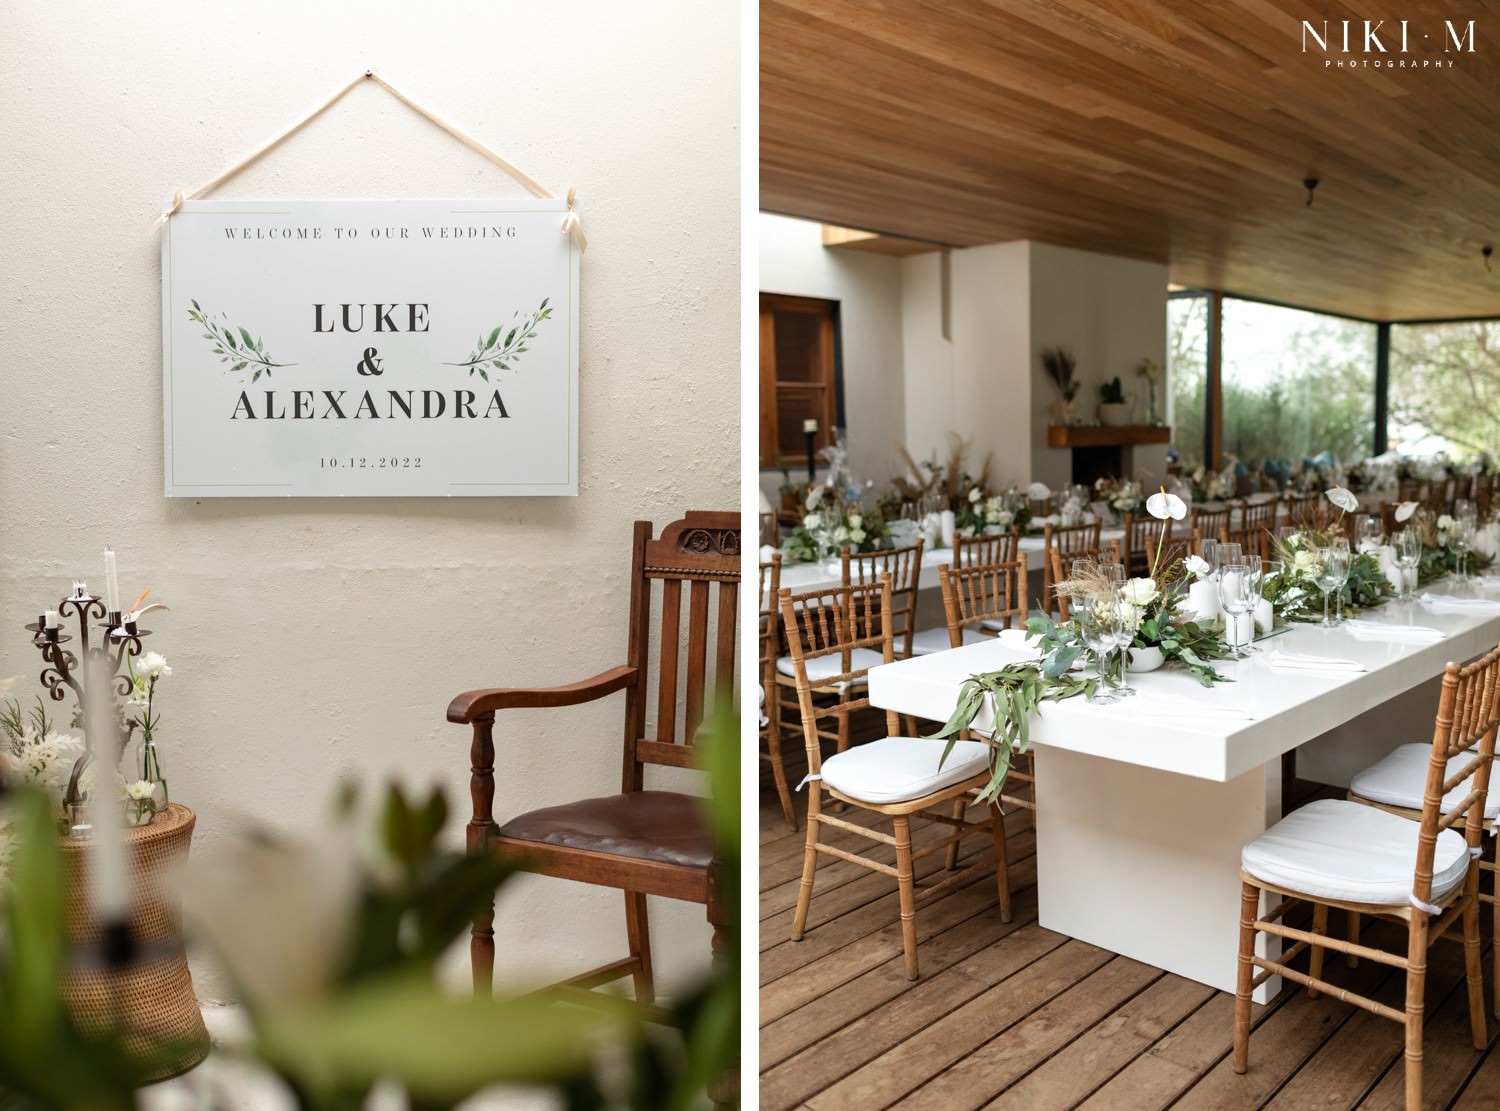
[{"x": 474, "y": 704}]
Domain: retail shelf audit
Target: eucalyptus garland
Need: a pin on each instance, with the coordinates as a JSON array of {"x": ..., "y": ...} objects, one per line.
[{"x": 1018, "y": 691}]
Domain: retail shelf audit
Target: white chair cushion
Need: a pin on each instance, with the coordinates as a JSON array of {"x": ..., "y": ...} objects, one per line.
[
  {"x": 821, "y": 668},
  {"x": 928, "y": 641},
  {"x": 1401, "y": 778},
  {"x": 1336, "y": 849},
  {"x": 898, "y": 769}
]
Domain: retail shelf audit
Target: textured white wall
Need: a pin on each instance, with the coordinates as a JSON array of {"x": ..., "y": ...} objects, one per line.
[
  {"x": 315, "y": 640},
  {"x": 867, "y": 287}
]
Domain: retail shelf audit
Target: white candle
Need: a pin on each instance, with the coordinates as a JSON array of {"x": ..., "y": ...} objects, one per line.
[
  {"x": 946, "y": 524},
  {"x": 52, "y": 620},
  {"x": 1203, "y": 599},
  {"x": 1265, "y": 615},
  {"x": 111, "y": 583},
  {"x": 810, "y": 426}
]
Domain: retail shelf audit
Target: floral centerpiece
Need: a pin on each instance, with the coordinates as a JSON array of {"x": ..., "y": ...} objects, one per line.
[
  {"x": 981, "y": 511},
  {"x": 1120, "y": 496},
  {"x": 1291, "y": 584},
  {"x": 1152, "y": 607},
  {"x": 1447, "y": 548},
  {"x": 833, "y": 521},
  {"x": 1210, "y": 485}
]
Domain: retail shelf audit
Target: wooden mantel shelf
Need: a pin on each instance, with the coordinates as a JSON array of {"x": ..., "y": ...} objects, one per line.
[{"x": 1098, "y": 435}]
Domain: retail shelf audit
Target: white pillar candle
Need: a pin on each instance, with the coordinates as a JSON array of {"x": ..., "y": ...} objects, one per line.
[
  {"x": 1385, "y": 557},
  {"x": 111, "y": 583},
  {"x": 1244, "y": 628},
  {"x": 810, "y": 426},
  {"x": 1265, "y": 615},
  {"x": 1203, "y": 599},
  {"x": 52, "y": 620},
  {"x": 946, "y": 525}
]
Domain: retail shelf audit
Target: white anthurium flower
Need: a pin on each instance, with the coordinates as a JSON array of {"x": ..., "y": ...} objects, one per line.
[
  {"x": 1162, "y": 505},
  {"x": 812, "y": 521},
  {"x": 1343, "y": 499},
  {"x": 1197, "y": 566},
  {"x": 814, "y": 496},
  {"x": 975, "y": 493},
  {"x": 152, "y": 666},
  {"x": 1038, "y": 491},
  {"x": 1405, "y": 510},
  {"x": 1139, "y": 592},
  {"x": 856, "y": 521}
]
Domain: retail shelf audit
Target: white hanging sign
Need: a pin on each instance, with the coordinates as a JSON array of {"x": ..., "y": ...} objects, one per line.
[{"x": 370, "y": 348}]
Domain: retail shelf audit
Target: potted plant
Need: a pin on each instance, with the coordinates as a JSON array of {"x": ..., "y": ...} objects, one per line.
[{"x": 1113, "y": 411}]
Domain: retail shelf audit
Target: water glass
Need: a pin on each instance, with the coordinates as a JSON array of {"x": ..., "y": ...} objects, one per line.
[
  {"x": 1333, "y": 573},
  {"x": 1099, "y": 621},
  {"x": 1239, "y": 590},
  {"x": 1408, "y": 544}
]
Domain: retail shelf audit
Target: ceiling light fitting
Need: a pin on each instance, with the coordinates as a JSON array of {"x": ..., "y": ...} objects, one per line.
[
  {"x": 1309, "y": 183},
  {"x": 1485, "y": 252}
]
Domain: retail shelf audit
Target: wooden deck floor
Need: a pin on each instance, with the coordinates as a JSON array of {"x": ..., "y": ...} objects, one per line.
[{"x": 1015, "y": 1016}]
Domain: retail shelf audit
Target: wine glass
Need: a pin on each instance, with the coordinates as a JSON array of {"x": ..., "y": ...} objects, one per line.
[
  {"x": 1408, "y": 557},
  {"x": 1239, "y": 587},
  {"x": 1209, "y": 550},
  {"x": 1370, "y": 530},
  {"x": 1333, "y": 572},
  {"x": 1098, "y": 617}
]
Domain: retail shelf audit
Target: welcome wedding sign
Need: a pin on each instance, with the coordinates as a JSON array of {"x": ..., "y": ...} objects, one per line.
[{"x": 370, "y": 348}]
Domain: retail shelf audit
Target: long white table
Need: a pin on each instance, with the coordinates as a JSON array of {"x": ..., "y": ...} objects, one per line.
[{"x": 1140, "y": 819}]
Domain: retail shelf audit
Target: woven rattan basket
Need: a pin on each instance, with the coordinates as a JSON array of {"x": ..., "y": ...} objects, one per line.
[{"x": 151, "y": 1003}]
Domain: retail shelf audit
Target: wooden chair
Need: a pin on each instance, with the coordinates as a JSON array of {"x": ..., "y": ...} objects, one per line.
[
  {"x": 1042, "y": 507},
  {"x": 1439, "y": 497},
  {"x": 1141, "y": 537},
  {"x": 991, "y": 597},
  {"x": 904, "y": 566},
  {"x": 1302, "y": 509},
  {"x": 971, "y": 551},
  {"x": 1397, "y": 783},
  {"x": 1211, "y": 521},
  {"x": 1388, "y": 518},
  {"x": 770, "y": 649},
  {"x": 1363, "y": 860},
  {"x": 1061, "y": 567},
  {"x": 1484, "y": 493},
  {"x": 643, "y": 842},
  {"x": 900, "y": 777},
  {"x": 1411, "y": 489},
  {"x": 1065, "y": 539}
]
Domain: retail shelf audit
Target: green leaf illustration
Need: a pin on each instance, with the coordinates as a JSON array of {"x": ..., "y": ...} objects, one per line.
[
  {"x": 245, "y": 352},
  {"x": 499, "y": 354}
]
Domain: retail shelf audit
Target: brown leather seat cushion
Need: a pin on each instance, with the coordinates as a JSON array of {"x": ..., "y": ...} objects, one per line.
[{"x": 663, "y": 826}]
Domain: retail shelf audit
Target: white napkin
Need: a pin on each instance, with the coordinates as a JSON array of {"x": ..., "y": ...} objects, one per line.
[
  {"x": 1281, "y": 659},
  {"x": 1015, "y": 640},
  {"x": 1361, "y": 629},
  {"x": 1177, "y": 706},
  {"x": 1442, "y": 603}
]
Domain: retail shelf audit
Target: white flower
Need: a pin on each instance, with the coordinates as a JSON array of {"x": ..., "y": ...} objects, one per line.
[
  {"x": 1197, "y": 566},
  {"x": 840, "y": 534},
  {"x": 857, "y": 535},
  {"x": 1004, "y": 518},
  {"x": 1343, "y": 499},
  {"x": 1405, "y": 510},
  {"x": 1162, "y": 505},
  {"x": 856, "y": 521},
  {"x": 140, "y": 790},
  {"x": 814, "y": 496},
  {"x": 975, "y": 493},
  {"x": 1444, "y": 523},
  {"x": 1306, "y": 563},
  {"x": 812, "y": 521},
  {"x": 1139, "y": 592},
  {"x": 152, "y": 666},
  {"x": 1038, "y": 491}
]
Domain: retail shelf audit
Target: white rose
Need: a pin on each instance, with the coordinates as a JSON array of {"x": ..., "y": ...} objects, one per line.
[
  {"x": 1197, "y": 566},
  {"x": 1305, "y": 563},
  {"x": 1139, "y": 592},
  {"x": 857, "y": 535},
  {"x": 152, "y": 666},
  {"x": 812, "y": 521},
  {"x": 1445, "y": 522},
  {"x": 856, "y": 521},
  {"x": 840, "y": 535},
  {"x": 1004, "y": 518},
  {"x": 975, "y": 493}
]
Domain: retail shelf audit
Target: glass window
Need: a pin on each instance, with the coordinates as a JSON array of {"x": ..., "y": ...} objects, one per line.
[
  {"x": 1296, "y": 384},
  {"x": 1445, "y": 388},
  {"x": 1187, "y": 375}
]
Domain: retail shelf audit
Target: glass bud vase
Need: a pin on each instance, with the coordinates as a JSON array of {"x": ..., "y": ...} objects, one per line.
[
  {"x": 1153, "y": 418},
  {"x": 151, "y": 773}
]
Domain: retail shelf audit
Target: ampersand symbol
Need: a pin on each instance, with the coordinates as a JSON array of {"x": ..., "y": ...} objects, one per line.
[{"x": 369, "y": 365}]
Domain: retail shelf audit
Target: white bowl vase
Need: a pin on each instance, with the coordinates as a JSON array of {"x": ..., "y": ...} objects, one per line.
[
  {"x": 1113, "y": 414},
  {"x": 1145, "y": 659}
]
